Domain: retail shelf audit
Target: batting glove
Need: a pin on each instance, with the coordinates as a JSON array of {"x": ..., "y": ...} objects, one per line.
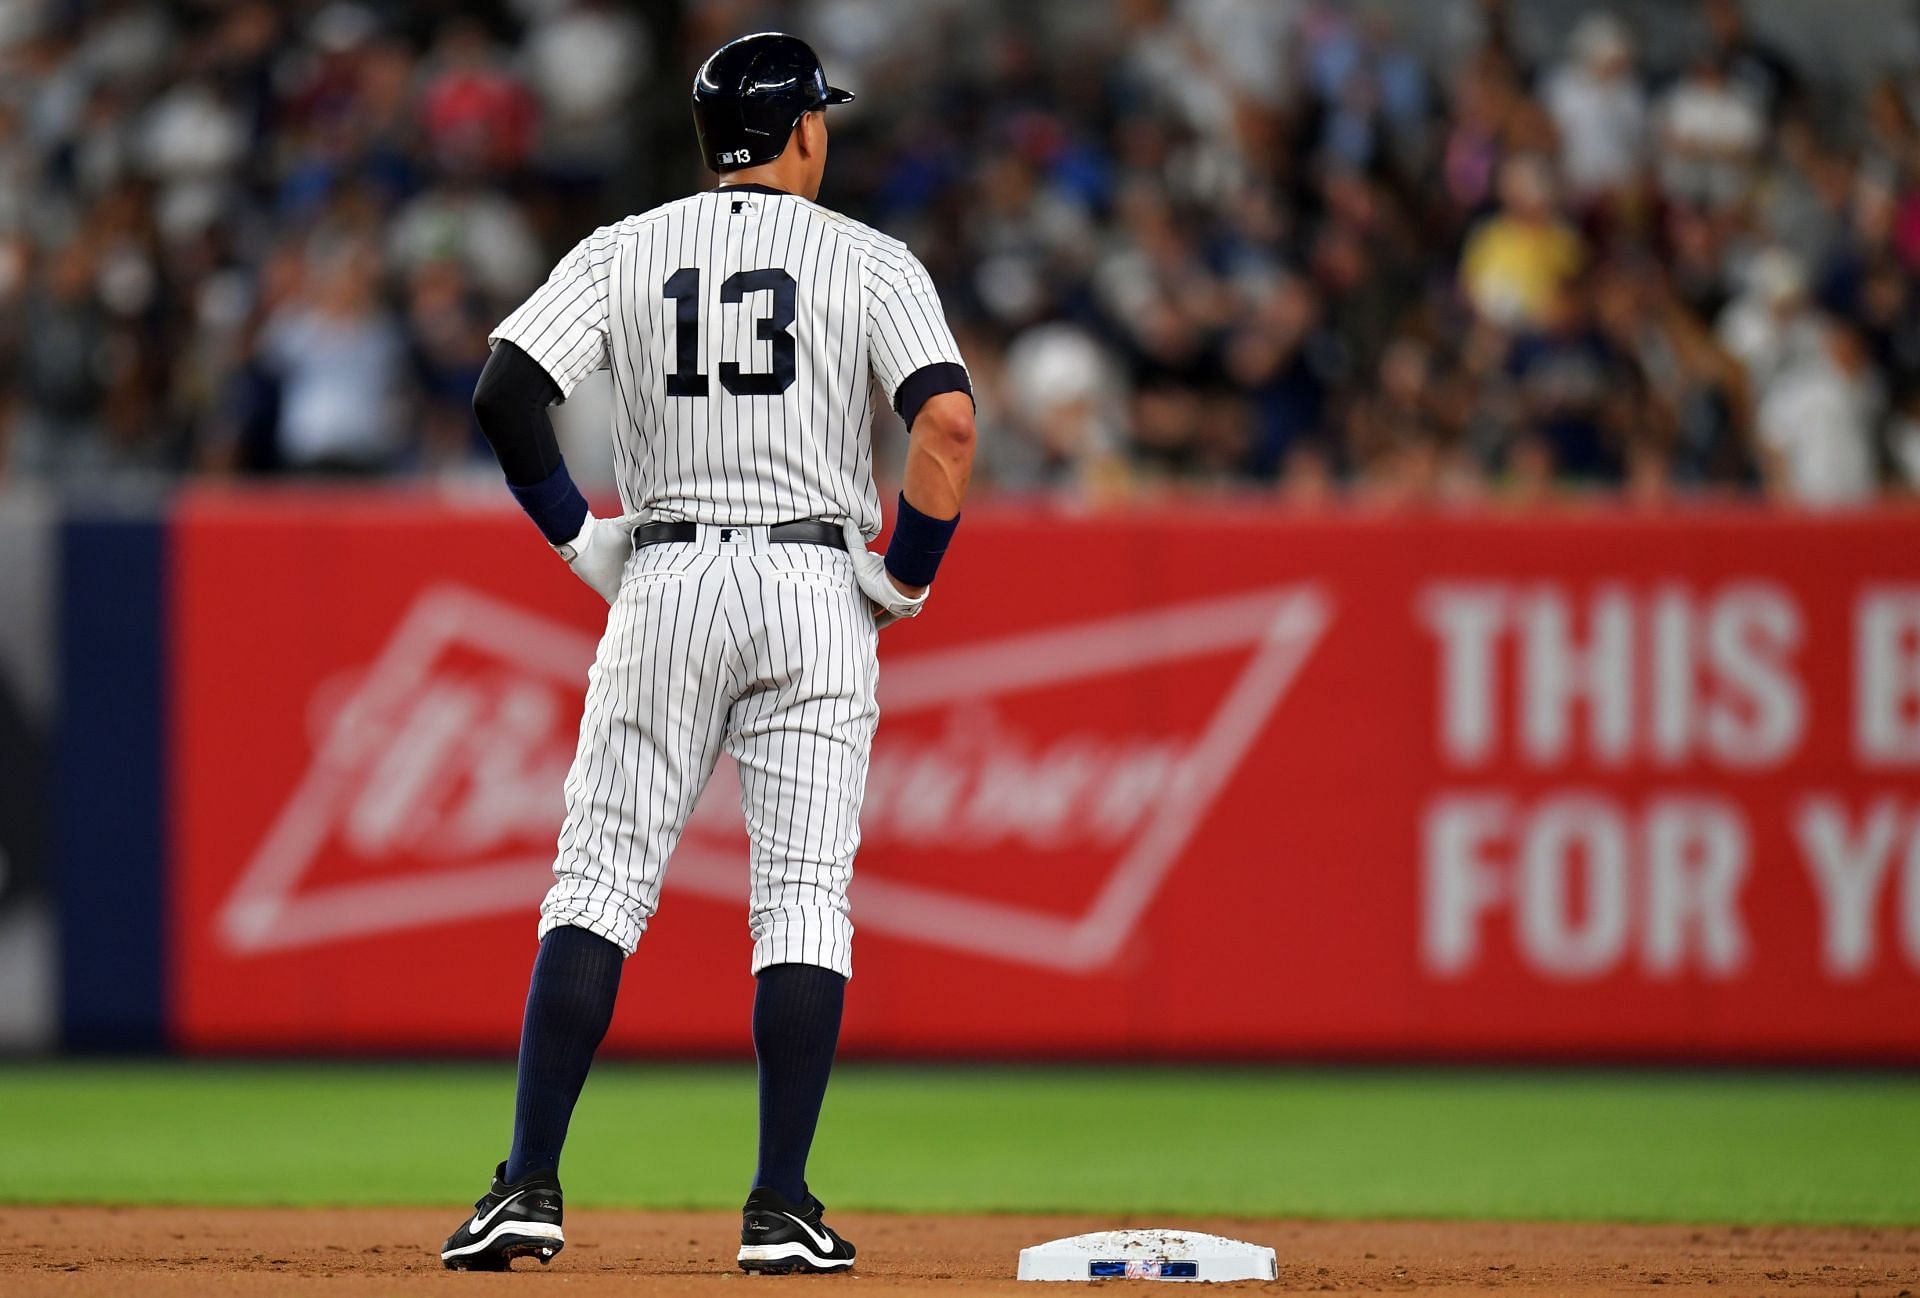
[
  {"x": 870, "y": 570},
  {"x": 598, "y": 556}
]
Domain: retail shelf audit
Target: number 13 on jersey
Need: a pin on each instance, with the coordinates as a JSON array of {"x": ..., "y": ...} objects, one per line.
[{"x": 683, "y": 288}]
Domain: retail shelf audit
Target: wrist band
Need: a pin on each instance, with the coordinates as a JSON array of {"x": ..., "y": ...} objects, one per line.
[
  {"x": 919, "y": 542},
  {"x": 554, "y": 504}
]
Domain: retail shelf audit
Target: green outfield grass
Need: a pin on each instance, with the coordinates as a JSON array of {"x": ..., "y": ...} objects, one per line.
[{"x": 1636, "y": 1146}]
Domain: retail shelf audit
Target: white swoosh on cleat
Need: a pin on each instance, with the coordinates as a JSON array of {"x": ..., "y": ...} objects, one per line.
[
  {"x": 822, "y": 1242},
  {"x": 479, "y": 1223}
]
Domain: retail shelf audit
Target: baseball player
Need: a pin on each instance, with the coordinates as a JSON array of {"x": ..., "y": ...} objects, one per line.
[{"x": 743, "y": 327}]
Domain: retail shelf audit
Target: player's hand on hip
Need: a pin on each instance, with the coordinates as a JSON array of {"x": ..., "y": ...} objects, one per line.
[
  {"x": 884, "y": 616},
  {"x": 890, "y": 601},
  {"x": 598, "y": 555}
]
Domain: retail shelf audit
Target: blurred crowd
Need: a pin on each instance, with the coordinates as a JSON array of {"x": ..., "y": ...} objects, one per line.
[
  {"x": 1285, "y": 245},
  {"x": 259, "y": 238}
]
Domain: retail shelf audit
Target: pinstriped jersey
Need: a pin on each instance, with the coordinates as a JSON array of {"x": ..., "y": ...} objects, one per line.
[{"x": 743, "y": 327}]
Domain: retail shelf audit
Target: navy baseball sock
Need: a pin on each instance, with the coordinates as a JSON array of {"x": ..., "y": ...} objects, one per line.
[
  {"x": 796, "y": 1025},
  {"x": 569, "y": 1005}
]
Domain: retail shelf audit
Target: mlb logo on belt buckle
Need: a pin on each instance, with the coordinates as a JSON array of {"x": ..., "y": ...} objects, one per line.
[{"x": 728, "y": 534}]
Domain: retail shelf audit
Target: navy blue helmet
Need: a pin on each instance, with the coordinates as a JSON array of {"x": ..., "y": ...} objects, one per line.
[{"x": 750, "y": 92}]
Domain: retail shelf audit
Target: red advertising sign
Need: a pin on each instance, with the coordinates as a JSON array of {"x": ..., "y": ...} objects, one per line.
[{"x": 1191, "y": 784}]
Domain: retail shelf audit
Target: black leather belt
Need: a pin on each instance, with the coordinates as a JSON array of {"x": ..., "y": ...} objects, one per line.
[{"x": 803, "y": 531}]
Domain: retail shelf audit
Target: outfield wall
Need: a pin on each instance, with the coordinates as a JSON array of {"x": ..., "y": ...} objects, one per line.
[{"x": 1199, "y": 783}]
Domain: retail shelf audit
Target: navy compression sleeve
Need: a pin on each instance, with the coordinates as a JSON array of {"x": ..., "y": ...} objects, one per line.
[{"x": 510, "y": 403}]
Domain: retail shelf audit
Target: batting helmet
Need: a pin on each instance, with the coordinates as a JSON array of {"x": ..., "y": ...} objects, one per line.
[{"x": 750, "y": 92}]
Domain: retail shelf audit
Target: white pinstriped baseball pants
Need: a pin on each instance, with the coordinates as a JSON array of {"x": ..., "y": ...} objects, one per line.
[{"x": 766, "y": 650}]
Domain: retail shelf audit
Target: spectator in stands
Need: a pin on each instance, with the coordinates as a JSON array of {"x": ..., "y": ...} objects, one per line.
[
  {"x": 1574, "y": 388},
  {"x": 1399, "y": 436},
  {"x": 1276, "y": 354},
  {"x": 1065, "y": 400},
  {"x": 584, "y": 59},
  {"x": 1772, "y": 326},
  {"x": 1599, "y": 109},
  {"x": 1517, "y": 261},
  {"x": 339, "y": 359},
  {"x": 1694, "y": 409},
  {"x": 61, "y": 369},
  {"x": 1360, "y": 265},
  {"x": 1477, "y": 138},
  {"x": 1751, "y": 62},
  {"x": 447, "y": 320},
  {"x": 461, "y": 217},
  {"x": 1816, "y": 423},
  {"x": 474, "y": 110},
  {"x": 1710, "y": 130},
  {"x": 1804, "y": 206},
  {"x": 191, "y": 145},
  {"x": 1166, "y": 305}
]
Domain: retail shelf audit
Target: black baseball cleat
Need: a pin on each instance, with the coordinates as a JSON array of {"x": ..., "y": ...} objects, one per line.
[
  {"x": 777, "y": 1238},
  {"x": 509, "y": 1221}
]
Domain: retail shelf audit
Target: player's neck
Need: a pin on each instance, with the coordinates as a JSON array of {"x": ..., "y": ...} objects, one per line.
[{"x": 772, "y": 175}]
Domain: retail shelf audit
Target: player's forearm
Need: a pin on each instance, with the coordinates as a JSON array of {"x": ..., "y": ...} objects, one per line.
[
  {"x": 940, "y": 455},
  {"x": 510, "y": 404},
  {"x": 939, "y": 466}
]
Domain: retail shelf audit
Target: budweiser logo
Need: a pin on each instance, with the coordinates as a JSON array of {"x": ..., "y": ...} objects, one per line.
[
  {"x": 982, "y": 781},
  {"x": 465, "y": 768},
  {"x": 434, "y": 791}
]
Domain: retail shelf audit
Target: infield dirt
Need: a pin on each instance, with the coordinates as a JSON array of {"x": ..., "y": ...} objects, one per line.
[{"x": 209, "y": 1253}]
